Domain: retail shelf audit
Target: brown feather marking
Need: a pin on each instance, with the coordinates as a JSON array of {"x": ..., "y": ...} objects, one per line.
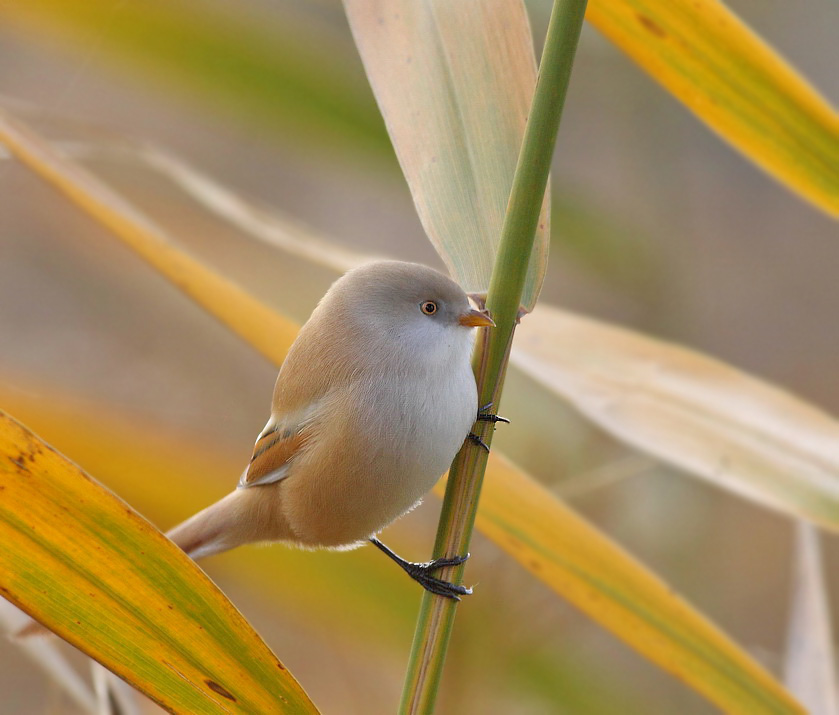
[{"x": 272, "y": 451}]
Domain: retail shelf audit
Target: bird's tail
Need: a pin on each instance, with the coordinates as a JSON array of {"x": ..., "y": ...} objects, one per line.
[
  {"x": 243, "y": 516},
  {"x": 210, "y": 531}
]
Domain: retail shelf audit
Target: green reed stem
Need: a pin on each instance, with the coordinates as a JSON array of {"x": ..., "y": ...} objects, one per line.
[{"x": 436, "y": 616}]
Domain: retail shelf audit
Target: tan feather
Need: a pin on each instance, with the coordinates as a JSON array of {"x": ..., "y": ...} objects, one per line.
[{"x": 279, "y": 443}]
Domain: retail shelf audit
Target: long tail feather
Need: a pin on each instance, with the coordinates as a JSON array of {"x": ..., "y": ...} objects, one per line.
[
  {"x": 242, "y": 517},
  {"x": 212, "y": 530}
]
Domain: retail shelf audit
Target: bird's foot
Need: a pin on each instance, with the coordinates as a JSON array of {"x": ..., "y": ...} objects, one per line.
[
  {"x": 475, "y": 439},
  {"x": 484, "y": 415},
  {"x": 421, "y": 572}
]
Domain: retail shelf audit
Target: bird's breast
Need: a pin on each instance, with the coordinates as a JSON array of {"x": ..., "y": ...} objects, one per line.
[
  {"x": 379, "y": 444},
  {"x": 422, "y": 418}
]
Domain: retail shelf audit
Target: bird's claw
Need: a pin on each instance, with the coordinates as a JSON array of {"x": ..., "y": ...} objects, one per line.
[
  {"x": 475, "y": 439},
  {"x": 484, "y": 415},
  {"x": 444, "y": 561},
  {"x": 442, "y": 588}
]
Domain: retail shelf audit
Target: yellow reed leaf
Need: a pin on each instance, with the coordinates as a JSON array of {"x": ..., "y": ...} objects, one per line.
[
  {"x": 86, "y": 565},
  {"x": 730, "y": 78},
  {"x": 589, "y": 570}
]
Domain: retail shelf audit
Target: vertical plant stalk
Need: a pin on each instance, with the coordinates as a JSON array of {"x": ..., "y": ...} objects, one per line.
[{"x": 460, "y": 504}]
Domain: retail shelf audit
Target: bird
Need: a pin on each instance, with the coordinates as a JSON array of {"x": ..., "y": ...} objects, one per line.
[{"x": 372, "y": 403}]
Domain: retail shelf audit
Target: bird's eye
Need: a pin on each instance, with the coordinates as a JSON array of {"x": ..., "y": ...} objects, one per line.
[{"x": 429, "y": 307}]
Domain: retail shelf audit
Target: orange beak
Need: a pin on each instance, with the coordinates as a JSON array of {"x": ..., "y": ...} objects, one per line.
[{"x": 476, "y": 319}]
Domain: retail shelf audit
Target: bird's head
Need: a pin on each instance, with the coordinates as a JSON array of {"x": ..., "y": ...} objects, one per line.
[{"x": 410, "y": 301}]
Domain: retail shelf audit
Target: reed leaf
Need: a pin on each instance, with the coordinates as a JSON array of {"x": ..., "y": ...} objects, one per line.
[
  {"x": 86, "y": 565},
  {"x": 690, "y": 410},
  {"x": 810, "y": 663},
  {"x": 454, "y": 82},
  {"x": 710, "y": 60}
]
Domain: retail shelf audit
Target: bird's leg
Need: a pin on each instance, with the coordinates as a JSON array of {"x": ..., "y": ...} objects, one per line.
[
  {"x": 484, "y": 415},
  {"x": 421, "y": 572}
]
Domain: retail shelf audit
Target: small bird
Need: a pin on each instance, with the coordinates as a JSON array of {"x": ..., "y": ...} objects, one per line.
[{"x": 372, "y": 403}]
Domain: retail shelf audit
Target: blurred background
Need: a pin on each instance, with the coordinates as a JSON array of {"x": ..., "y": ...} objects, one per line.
[{"x": 657, "y": 225}]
